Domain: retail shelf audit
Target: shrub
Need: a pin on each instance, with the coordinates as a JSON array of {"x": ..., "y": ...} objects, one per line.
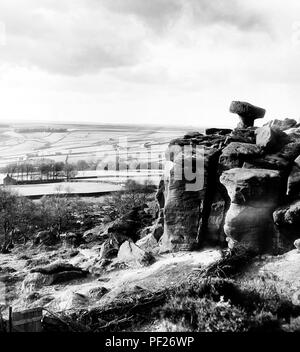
[{"x": 133, "y": 195}]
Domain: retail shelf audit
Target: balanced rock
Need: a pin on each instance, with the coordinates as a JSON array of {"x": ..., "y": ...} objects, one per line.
[
  {"x": 254, "y": 194},
  {"x": 248, "y": 113}
]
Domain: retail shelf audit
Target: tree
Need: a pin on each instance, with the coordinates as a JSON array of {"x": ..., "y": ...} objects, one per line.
[
  {"x": 58, "y": 167},
  {"x": 82, "y": 165},
  {"x": 134, "y": 195},
  {"x": 70, "y": 170},
  {"x": 60, "y": 212},
  {"x": 16, "y": 212}
]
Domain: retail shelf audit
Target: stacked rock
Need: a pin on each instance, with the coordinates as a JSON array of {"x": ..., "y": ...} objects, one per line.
[{"x": 230, "y": 183}]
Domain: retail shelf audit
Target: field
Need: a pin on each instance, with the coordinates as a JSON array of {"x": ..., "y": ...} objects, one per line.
[{"x": 134, "y": 147}]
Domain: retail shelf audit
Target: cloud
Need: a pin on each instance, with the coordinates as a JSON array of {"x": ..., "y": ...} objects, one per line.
[
  {"x": 87, "y": 36},
  {"x": 230, "y": 12},
  {"x": 158, "y": 14},
  {"x": 69, "y": 40},
  {"x": 161, "y": 14}
]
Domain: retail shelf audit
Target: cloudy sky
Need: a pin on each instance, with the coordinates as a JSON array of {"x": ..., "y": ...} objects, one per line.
[{"x": 148, "y": 61}]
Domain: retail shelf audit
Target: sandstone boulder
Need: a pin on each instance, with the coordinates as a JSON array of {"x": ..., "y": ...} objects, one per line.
[
  {"x": 271, "y": 139},
  {"x": 236, "y": 153},
  {"x": 186, "y": 192},
  {"x": 282, "y": 160},
  {"x": 288, "y": 214},
  {"x": 96, "y": 234},
  {"x": 254, "y": 194},
  {"x": 133, "y": 256},
  {"x": 148, "y": 244},
  {"x": 287, "y": 221},
  {"x": 37, "y": 280},
  {"x": 282, "y": 125},
  {"x": 254, "y": 187},
  {"x": 294, "y": 134}
]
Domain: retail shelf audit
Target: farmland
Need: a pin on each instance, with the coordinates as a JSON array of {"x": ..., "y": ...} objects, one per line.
[{"x": 135, "y": 149}]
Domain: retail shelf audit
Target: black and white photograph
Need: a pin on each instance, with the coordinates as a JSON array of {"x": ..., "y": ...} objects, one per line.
[{"x": 149, "y": 169}]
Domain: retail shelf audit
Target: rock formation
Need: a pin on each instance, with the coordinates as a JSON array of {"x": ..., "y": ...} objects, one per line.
[
  {"x": 254, "y": 195},
  {"x": 231, "y": 185},
  {"x": 248, "y": 113}
]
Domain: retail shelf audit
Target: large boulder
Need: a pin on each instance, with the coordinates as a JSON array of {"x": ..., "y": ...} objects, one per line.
[
  {"x": 97, "y": 234},
  {"x": 282, "y": 125},
  {"x": 287, "y": 221},
  {"x": 187, "y": 191},
  {"x": 254, "y": 194},
  {"x": 282, "y": 160},
  {"x": 37, "y": 279},
  {"x": 236, "y": 153},
  {"x": 133, "y": 256},
  {"x": 53, "y": 268},
  {"x": 55, "y": 273},
  {"x": 148, "y": 244},
  {"x": 270, "y": 138}
]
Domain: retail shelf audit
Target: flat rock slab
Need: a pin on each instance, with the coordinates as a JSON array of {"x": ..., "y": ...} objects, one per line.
[
  {"x": 247, "y": 110},
  {"x": 54, "y": 268},
  {"x": 247, "y": 113}
]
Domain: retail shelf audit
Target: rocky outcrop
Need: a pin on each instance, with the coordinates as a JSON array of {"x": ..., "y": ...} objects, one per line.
[
  {"x": 221, "y": 183},
  {"x": 187, "y": 192}
]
